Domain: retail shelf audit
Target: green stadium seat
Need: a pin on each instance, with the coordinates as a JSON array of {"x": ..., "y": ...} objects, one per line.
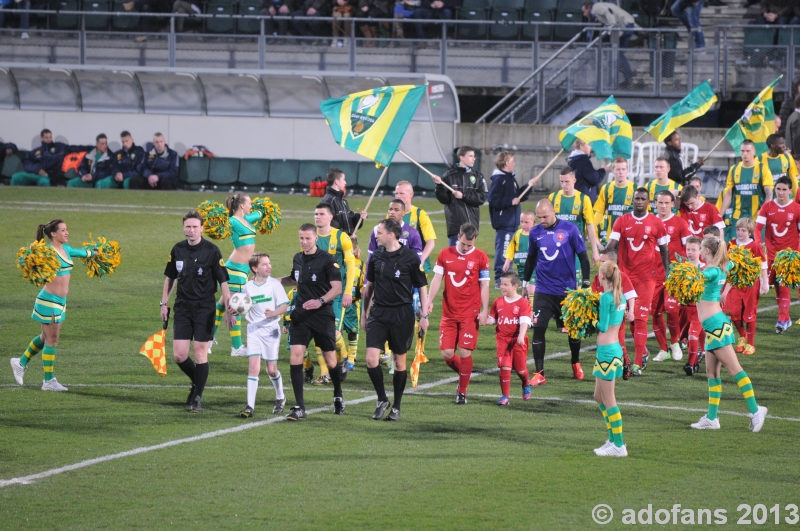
[
  {"x": 96, "y": 22},
  {"x": 538, "y": 15},
  {"x": 368, "y": 176},
  {"x": 541, "y": 5},
  {"x": 425, "y": 182},
  {"x": 253, "y": 174},
  {"x": 129, "y": 23},
  {"x": 476, "y": 4},
  {"x": 570, "y": 5},
  {"x": 11, "y": 165},
  {"x": 641, "y": 18},
  {"x": 310, "y": 169},
  {"x": 283, "y": 174},
  {"x": 785, "y": 35},
  {"x": 471, "y": 31},
  {"x": 250, "y": 8},
  {"x": 759, "y": 45},
  {"x": 63, "y": 22},
  {"x": 512, "y": 5},
  {"x": 219, "y": 25},
  {"x": 223, "y": 172},
  {"x": 565, "y": 33},
  {"x": 402, "y": 171},
  {"x": 193, "y": 172},
  {"x": 504, "y": 31}
]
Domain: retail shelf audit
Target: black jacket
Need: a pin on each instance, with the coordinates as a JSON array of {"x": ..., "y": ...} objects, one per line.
[
  {"x": 164, "y": 165},
  {"x": 129, "y": 163},
  {"x": 4, "y": 147},
  {"x": 503, "y": 190},
  {"x": 469, "y": 182},
  {"x": 99, "y": 169},
  {"x": 676, "y": 171},
  {"x": 343, "y": 218},
  {"x": 587, "y": 179}
]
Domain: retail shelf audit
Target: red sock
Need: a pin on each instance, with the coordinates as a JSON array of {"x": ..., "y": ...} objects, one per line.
[
  {"x": 659, "y": 331},
  {"x": 454, "y": 363},
  {"x": 639, "y": 340},
  {"x": 739, "y": 327},
  {"x": 751, "y": 333},
  {"x": 674, "y": 325},
  {"x": 524, "y": 376},
  {"x": 622, "y": 343},
  {"x": 693, "y": 345},
  {"x": 505, "y": 382},
  {"x": 784, "y": 296},
  {"x": 464, "y": 374}
]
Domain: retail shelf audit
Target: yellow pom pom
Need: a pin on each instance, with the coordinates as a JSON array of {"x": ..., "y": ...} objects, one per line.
[
  {"x": 787, "y": 268},
  {"x": 38, "y": 262},
  {"x": 270, "y": 215},
  {"x": 216, "y": 221},
  {"x": 685, "y": 283},
  {"x": 744, "y": 268},
  {"x": 105, "y": 261},
  {"x": 580, "y": 312}
]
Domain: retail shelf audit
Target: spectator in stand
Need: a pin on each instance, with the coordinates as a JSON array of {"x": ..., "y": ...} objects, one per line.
[
  {"x": 160, "y": 168},
  {"x": 587, "y": 179},
  {"x": 615, "y": 16},
  {"x": 43, "y": 164},
  {"x": 403, "y": 9},
  {"x": 432, "y": 10},
  {"x": 6, "y": 150},
  {"x": 127, "y": 162},
  {"x": 274, "y": 8},
  {"x": 24, "y": 18},
  {"x": 149, "y": 6},
  {"x": 688, "y": 12},
  {"x": 342, "y": 9},
  {"x": 308, "y": 8},
  {"x": 672, "y": 151},
  {"x": 787, "y": 107},
  {"x": 775, "y": 12},
  {"x": 186, "y": 8},
  {"x": 373, "y": 9},
  {"x": 792, "y": 131},
  {"x": 96, "y": 164}
]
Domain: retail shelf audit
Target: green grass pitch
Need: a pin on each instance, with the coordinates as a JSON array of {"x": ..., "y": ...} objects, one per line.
[{"x": 479, "y": 466}]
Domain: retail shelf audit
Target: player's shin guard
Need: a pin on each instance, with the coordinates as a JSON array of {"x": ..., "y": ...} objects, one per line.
[
  {"x": 252, "y": 388},
  {"x": 236, "y": 333},
  {"x": 784, "y": 298},
  {"x": 464, "y": 374},
  {"x": 188, "y": 368},
  {"x": 277, "y": 384},
  {"x": 200, "y": 378},
  {"x": 48, "y": 362},
  {"x": 399, "y": 384},
  {"x": 615, "y": 420},
  {"x": 714, "y": 394},
  {"x": 605, "y": 419},
  {"x": 751, "y": 333},
  {"x": 746, "y": 387},
  {"x": 336, "y": 380},
  {"x": 376, "y": 375},
  {"x": 505, "y": 382},
  {"x": 296, "y": 376},
  {"x": 454, "y": 363},
  {"x": 575, "y": 350},
  {"x": 34, "y": 347}
]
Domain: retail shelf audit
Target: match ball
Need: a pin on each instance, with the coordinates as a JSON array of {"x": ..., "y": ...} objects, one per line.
[{"x": 241, "y": 303}]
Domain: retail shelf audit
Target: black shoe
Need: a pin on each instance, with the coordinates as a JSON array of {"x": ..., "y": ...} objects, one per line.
[
  {"x": 380, "y": 409},
  {"x": 626, "y": 372},
  {"x": 279, "y": 403},
  {"x": 190, "y": 398},
  {"x": 461, "y": 399},
  {"x": 644, "y": 360},
  {"x": 393, "y": 415},
  {"x": 309, "y": 375},
  {"x": 197, "y": 405},
  {"x": 637, "y": 372},
  {"x": 695, "y": 368},
  {"x": 688, "y": 369},
  {"x": 497, "y": 284},
  {"x": 246, "y": 413},
  {"x": 338, "y": 405},
  {"x": 297, "y": 413}
]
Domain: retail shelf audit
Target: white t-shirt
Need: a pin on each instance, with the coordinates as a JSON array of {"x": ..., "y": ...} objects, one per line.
[{"x": 266, "y": 296}]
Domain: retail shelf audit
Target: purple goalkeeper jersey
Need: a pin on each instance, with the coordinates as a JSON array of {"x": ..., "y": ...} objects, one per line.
[{"x": 555, "y": 250}]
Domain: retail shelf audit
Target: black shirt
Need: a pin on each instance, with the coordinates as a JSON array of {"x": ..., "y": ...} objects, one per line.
[
  {"x": 198, "y": 269},
  {"x": 394, "y": 275},
  {"x": 314, "y": 273}
]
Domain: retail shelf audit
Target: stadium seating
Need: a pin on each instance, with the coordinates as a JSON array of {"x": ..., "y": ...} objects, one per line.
[
  {"x": 350, "y": 169},
  {"x": 12, "y": 164},
  {"x": 505, "y": 11},
  {"x": 283, "y": 174},
  {"x": 223, "y": 173},
  {"x": 63, "y": 22},
  {"x": 785, "y": 35},
  {"x": 472, "y": 10},
  {"x": 402, "y": 171},
  {"x": 539, "y": 11},
  {"x": 254, "y": 174},
  {"x": 193, "y": 173},
  {"x": 96, "y": 22},
  {"x": 219, "y": 25},
  {"x": 249, "y": 7},
  {"x": 565, "y": 33},
  {"x": 758, "y": 45},
  {"x": 425, "y": 182},
  {"x": 310, "y": 169},
  {"x": 129, "y": 23},
  {"x": 368, "y": 176}
]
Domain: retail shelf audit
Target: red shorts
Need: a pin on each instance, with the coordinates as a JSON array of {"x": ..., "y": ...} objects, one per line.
[
  {"x": 512, "y": 354},
  {"x": 742, "y": 304},
  {"x": 644, "y": 291},
  {"x": 662, "y": 301},
  {"x": 461, "y": 332},
  {"x": 695, "y": 326}
]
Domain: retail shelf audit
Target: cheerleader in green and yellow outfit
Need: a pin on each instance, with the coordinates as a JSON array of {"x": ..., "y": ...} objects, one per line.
[
  {"x": 50, "y": 306},
  {"x": 243, "y": 235},
  {"x": 720, "y": 339}
]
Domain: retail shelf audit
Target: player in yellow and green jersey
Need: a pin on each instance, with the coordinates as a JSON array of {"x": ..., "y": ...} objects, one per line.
[
  {"x": 749, "y": 186},
  {"x": 662, "y": 182},
  {"x": 517, "y": 250},
  {"x": 780, "y": 163},
  {"x": 575, "y": 207},
  {"x": 614, "y": 200},
  {"x": 352, "y": 314},
  {"x": 417, "y": 218}
]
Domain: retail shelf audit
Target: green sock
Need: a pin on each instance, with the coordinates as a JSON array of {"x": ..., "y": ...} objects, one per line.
[
  {"x": 615, "y": 419},
  {"x": 48, "y": 362},
  {"x": 605, "y": 419},
  {"x": 36, "y": 345},
  {"x": 746, "y": 387},
  {"x": 236, "y": 333},
  {"x": 714, "y": 394},
  {"x": 220, "y": 315}
]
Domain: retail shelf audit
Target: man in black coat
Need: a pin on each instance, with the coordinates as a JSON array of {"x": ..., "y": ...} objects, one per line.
[
  {"x": 343, "y": 218},
  {"x": 677, "y": 172},
  {"x": 463, "y": 205}
]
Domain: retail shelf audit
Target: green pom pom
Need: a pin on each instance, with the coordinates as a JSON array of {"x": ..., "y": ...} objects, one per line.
[
  {"x": 787, "y": 268},
  {"x": 216, "y": 221},
  {"x": 580, "y": 311},
  {"x": 685, "y": 282},
  {"x": 270, "y": 215},
  {"x": 744, "y": 268}
]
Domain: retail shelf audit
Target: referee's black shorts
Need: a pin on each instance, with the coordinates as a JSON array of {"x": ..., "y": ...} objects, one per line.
[
  {"x": 317, "y": 325},
  {"x": 546, "y": 307},
  {"x": 394, "y": 324},
  {"x": 193, "y": 320}
]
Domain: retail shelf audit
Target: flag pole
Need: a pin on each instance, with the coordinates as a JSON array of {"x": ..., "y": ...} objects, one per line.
[
  {"x": 713, "y": 149},
  {"x": 423, "y": 168},
  {"x": 375, "y": 191},
  {"x": 525, "y": 191},
  {"x": 640, "y": 137}
]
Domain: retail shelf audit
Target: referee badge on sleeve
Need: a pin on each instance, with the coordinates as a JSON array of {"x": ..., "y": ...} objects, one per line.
[{"x": 221, "y": 262}]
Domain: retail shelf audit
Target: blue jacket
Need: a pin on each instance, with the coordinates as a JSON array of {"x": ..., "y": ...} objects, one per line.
[
  {"x": 164, "y": 165},
  {"x": 4, "y": 147},
  {"x": 587, "y": 179},
  {"x": 99, "y": 169},
  {"x": 47, "y": 157},
  {"x": 503, "y": 190},
  {"x": 129, "y": 163}
]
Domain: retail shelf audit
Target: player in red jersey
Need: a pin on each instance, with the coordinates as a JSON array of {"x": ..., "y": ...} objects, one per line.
[
  {"x": 512, "y": 315},
  {"x": 610, "y": 255},
  {"x": 678, "y": 232},
  {"x": 781, "y": 219},
  {"x": 742, "y": 304},
  {"x": 695, "y": 328},
  {"x": 641, "y": 240},
  {"x": 465, "y": 302},
  {"x": 697, "y": 212}
]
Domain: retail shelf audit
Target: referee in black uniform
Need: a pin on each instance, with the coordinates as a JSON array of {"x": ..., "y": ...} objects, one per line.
[
  {"x": 318, "y": 279},
  {"x": 198, "y": 267},
  {"x": 393, "y": 272}
]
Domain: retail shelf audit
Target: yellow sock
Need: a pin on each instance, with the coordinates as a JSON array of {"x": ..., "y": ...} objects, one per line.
[
  {"x": 307, "y": 364},
  {"x": 387, "y": 349},
  {"x": 323, "y": 367},
  {"x": 341, "y": 348},
  {"x": 352, "y": 351}
]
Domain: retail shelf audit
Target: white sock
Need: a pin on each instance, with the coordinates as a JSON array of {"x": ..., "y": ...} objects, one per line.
[
  {"x": 252, "y": 387},
  {"x": 277, "y": 383}
]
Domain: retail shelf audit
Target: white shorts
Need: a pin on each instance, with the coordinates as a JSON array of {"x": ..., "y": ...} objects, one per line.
[{"x": 263, "y": 341}]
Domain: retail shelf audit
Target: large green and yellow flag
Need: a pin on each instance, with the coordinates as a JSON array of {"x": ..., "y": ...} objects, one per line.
[
  {"x": 607, "y": 129},
  {"x": 756, "y": 124},
  {"x": 694, "y": 105},
  {"x": 372, "y": 123}
]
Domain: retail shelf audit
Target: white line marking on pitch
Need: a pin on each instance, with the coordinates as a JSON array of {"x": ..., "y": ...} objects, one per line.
[{"x": 25, "y": 480}]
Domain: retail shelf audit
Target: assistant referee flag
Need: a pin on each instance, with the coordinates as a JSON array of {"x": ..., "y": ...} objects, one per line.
[
  {"x": 607, "y": 129},
  {"x": 756, "y": 124},
  {"x": 372, "y": 123},
  {"x": 694, "y": 105}
]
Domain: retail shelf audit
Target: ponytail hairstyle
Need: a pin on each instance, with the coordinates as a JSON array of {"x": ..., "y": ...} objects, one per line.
[
  {"x": 719, "y": 254},
  {"x": 611, "y": 272},
  {"x": 48, "y": 229},
  {"x": 234, "y": 202}
]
